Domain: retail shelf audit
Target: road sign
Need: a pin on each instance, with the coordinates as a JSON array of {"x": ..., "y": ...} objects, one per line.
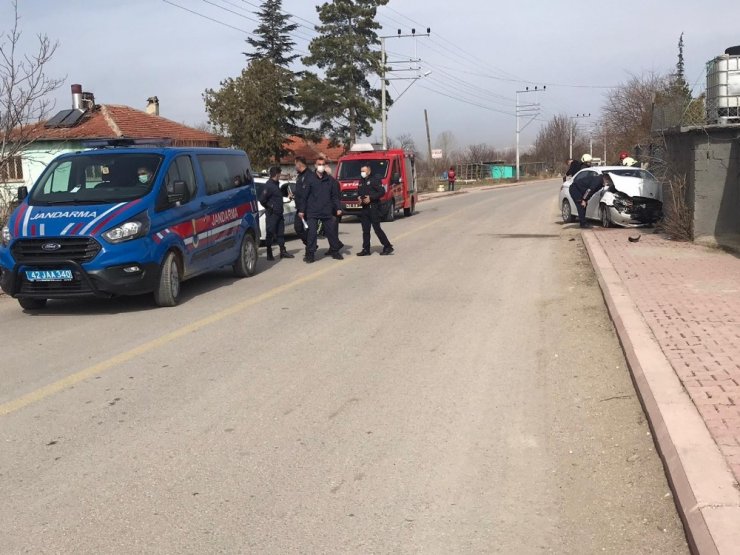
[{"x": 437, "y": 154}]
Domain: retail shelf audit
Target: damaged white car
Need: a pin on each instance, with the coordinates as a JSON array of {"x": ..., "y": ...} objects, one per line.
[{"x": 632, "y": 197}]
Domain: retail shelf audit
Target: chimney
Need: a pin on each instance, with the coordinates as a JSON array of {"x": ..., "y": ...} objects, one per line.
[
  {"x": 152, "y": 105},
  {"x": 77, "y": 97},
  {"x": 88, "y": 101}
]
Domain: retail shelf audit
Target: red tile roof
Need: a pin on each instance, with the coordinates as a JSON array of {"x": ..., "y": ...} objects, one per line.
[
  {"x": 110, "y": 121},
  {"x": 311, "y": 150}
]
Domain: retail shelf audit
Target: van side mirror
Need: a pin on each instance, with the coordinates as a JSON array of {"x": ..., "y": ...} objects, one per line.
[
  {"x": 177, "y": 192},
  {"x": 285, "y": 190},
  {"x": 22, "y": 193}
]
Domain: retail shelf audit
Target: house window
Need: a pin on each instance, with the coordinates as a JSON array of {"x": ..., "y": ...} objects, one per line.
[{"x": 12, "y": 170}]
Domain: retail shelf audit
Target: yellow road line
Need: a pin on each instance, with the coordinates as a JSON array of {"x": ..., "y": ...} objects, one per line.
[{"x": 96, "y": 369}]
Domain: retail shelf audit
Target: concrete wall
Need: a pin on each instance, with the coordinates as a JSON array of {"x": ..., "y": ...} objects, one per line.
[{"x": 710, "y": 158}]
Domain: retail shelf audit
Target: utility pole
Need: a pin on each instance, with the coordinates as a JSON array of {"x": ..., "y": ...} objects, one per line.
[
  {"x": 429, "y": 146},
  {"x": 571, "y": 119},
  {"x": 383, "y": 79},
  {"x": 605, "y": 162},
  {"x": 529, "y": 110}
]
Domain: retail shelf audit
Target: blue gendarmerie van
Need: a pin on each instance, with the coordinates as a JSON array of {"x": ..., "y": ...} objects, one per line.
[{"x": 130, "y": 220}]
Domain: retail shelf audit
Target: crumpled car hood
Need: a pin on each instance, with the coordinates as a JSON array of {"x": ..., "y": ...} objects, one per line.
[{"x": 637, "y": 187}]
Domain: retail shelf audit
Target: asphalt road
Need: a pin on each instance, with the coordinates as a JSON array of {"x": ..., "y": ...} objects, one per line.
[{"x": 466, "y": 395}]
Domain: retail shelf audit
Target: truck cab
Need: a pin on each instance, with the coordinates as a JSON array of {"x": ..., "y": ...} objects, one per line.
[{"x": 396, "y": 171}]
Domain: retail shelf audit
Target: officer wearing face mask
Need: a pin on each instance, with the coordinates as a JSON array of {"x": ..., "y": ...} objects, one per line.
[
  {"x": 369, "y": 194},
  {"x": 145, "y": 175},
  {"x": 324, "y": 174}
]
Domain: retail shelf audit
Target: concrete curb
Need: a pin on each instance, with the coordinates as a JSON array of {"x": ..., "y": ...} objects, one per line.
[
  {"x": 704, "y": 487},
  {"x": 434, "y": 195},
  {"x": 431, "y": 196}
]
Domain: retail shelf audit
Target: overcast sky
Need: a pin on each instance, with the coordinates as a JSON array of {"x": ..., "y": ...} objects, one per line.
[{"x": 480, "y": 53}]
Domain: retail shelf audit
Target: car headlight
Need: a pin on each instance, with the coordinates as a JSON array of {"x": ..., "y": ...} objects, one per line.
[
  {"x": 133, "y": 229},
  {"x": 7, "y": 237}
]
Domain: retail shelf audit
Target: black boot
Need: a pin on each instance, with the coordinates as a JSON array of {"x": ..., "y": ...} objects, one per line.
[
  {"x": 270, "y": 257},
  {"x": 364, "y": 252},
  {"x": 309, "y": 258},
  {"x": 285, "y": 254},
  {"x": 387, "y": 250}
]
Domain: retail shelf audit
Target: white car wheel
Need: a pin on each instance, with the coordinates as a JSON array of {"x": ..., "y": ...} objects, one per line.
[{"x": 567, "y": 213}]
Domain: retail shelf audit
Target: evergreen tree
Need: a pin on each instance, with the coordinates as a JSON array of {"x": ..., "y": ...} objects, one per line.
[
  {"x": 680, "y": 88},
  {"x": 341, "y": 100},
  {"x": 245, "y": 110},
  {"x": 258, "y": 110},
  {"x": 273, "y": 40}
]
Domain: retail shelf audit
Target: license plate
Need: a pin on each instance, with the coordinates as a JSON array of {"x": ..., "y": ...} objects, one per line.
[
  {"x": 350, "y": 206},
  {"x": 49, "y": 275}
]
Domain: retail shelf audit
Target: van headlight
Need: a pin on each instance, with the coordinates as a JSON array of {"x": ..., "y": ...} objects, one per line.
[
  {"x": 7, "y": 237},
  {"x": 133, "y": 229}
]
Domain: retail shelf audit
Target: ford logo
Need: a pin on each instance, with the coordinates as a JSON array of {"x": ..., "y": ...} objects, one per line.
[{"x": 51, "y": 247}]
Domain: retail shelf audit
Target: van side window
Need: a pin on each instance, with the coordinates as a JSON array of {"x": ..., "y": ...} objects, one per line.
[
  {"x": 185, "y": 168},
  {"x": 181, "y": 169},
  {"x": 224, "y": 172}
]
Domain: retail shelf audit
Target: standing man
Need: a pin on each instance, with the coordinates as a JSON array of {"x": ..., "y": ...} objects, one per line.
[
  {"x": 451, "y": 178},
  {"x": 320, "y": 203},
  {"x": 272, "y": 200},
  {"x": 301, "y": 168},
  {"x": 369, "y": 194},
  {"x": 323, "y": 173}
]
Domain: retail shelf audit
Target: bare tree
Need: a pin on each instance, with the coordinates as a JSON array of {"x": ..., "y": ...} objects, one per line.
[
  {"x": 24, "y": 96},
  {"x": 406, "y": 142},
  {"x": 552, "y": 145},
  {"x": 447, "y": 142},
  {"x": 628, "y": 112}
]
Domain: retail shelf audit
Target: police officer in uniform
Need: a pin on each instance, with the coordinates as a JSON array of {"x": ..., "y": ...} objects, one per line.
[
  {"x": 369, "y": 194},
  {"x": 319, "y": 202},
  {"x": 272, "y": 200},
  {"x": 324, "y": 174},
  {"x": 301, "y": 168}
]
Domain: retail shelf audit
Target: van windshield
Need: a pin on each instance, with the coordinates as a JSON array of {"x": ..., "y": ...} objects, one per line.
[
  {"x": 97, "y": 179},
  {"x": 350, "y": 169}
]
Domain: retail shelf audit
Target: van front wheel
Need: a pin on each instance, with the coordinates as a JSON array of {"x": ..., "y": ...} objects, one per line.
[
  {"x": 246, "y": 264},
  {"x": 167, "y": 292}
]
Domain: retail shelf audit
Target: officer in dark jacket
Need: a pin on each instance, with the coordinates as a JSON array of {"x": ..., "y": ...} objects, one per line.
[
  {"x": 322, "y": 171},
  {"x": 582, "y": 190},
  {"x": 369, "y": 194},
  {"x": 320, "y": 203},
  {"x": 301, "y": 168},
  {"x": 272, "y": 200}
]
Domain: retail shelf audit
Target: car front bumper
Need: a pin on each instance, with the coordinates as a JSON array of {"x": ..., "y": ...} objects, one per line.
[{"x": 635, "y": 217}]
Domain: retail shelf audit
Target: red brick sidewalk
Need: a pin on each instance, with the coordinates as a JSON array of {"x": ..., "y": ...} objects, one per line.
[{"x": 690, "y": 298}]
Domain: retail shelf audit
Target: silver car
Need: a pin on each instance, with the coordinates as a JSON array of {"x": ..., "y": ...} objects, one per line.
[{"x": 632, "y": 198}]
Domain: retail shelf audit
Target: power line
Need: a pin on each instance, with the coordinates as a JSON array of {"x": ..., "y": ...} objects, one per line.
[
  {"x": 240, "y": 14},
  {"x": 458, "y": 99},
  {"x": 220, "y": 22},
  {"x": 451, "y": 44}
]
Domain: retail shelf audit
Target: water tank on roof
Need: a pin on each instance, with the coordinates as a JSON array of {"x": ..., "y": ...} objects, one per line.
[{"x": 723, "y": 87}]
